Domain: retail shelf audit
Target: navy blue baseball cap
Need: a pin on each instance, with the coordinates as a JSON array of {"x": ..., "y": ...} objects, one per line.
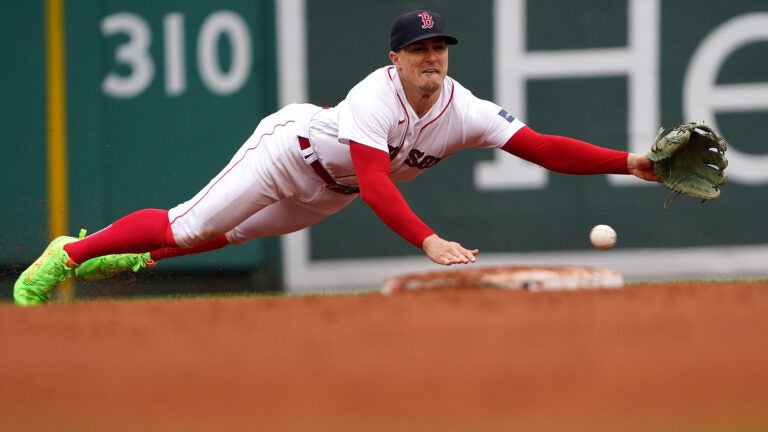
[{"x": 417, "y": 25}]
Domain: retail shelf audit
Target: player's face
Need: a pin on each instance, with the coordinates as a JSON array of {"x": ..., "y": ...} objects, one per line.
[{"x": 422, "y": 65}]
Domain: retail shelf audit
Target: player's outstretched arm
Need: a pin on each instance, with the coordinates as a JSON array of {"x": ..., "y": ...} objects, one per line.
[
  {"x": 381, "y": 195},
  {"x": 447, "y": 252},
  {"x": 571, "y": 156}
]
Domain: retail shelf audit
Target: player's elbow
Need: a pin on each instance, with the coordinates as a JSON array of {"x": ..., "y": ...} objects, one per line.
[
  {"x": 372, "y": 194},
  {"x": 367, "y": 194}
]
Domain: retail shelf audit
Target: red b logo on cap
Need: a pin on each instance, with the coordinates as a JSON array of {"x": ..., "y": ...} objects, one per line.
[{"x": 426, "y": 20}]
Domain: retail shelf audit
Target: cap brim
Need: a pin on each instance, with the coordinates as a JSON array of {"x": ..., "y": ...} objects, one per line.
[{"x": 450, "y": 40}]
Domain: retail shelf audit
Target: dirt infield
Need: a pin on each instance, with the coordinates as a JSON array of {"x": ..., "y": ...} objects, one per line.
[{"x": 681, "y": 356}]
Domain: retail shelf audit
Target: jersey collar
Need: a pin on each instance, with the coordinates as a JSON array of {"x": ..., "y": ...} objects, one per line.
[{"x": 437, "y": 110}]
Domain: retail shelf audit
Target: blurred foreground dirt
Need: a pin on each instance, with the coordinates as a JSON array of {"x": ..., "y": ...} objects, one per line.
[{"x": 678, "y": 356}]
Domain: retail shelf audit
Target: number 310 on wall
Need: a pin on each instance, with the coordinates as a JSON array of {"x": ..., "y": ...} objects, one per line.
[{"x": 134, "y": 54}]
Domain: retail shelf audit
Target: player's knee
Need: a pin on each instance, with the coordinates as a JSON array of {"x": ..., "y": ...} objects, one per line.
[{"x": 234, "y": 237}]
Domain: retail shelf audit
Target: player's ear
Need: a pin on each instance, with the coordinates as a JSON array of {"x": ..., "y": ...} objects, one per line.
[{"x": 394, "y": 58}]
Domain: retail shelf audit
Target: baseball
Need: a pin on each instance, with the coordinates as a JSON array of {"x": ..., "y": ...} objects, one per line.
[{"x": 602, "y": 237}]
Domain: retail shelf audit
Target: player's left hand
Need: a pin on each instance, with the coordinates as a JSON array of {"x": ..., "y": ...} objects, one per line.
[
  {"x": 641, "y": 166},
  {"x": 447, "y": 252}
]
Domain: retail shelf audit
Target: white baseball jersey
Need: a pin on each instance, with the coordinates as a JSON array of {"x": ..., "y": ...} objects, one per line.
[
  {"x": 269, "y": 188},
  {"x": 376, "y": 113}
]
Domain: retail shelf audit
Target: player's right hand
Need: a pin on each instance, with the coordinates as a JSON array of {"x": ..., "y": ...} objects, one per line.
[{"x": 447, "y": 252}]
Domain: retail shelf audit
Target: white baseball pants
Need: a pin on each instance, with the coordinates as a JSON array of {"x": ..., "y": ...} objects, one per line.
[{"x": 265, "y": 190}]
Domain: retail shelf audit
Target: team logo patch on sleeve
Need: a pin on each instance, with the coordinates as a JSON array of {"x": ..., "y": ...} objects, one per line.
[{"x": 506, "y": 116}]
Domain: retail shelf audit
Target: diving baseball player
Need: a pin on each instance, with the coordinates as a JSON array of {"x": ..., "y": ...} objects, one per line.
[{"x": 305, "y": 163}]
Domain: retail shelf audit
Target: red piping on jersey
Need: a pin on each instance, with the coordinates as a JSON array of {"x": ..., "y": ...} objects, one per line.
[
  {"x": 231, "y": 168},
  {"x": 389, "y": 72},
  {"x": 407, "y": 119},
  {"x": 450, "y": 99},
  {"x": 402, "y": 104}
]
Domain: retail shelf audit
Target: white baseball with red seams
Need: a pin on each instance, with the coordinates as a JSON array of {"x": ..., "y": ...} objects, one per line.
[
  {"x": 269, "y": 185},
  {"x": 602, "y": 237}
]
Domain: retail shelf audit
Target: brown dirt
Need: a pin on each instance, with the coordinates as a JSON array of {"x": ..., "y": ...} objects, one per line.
[{"x": 662, "y": 357}]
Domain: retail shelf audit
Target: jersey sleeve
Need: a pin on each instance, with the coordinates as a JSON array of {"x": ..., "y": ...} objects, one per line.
[
  {"x": 367, "y": 114},
  {"x": 488, "y": 124}
]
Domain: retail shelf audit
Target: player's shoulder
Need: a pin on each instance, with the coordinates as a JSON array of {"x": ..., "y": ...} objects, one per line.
[
  {"x": 459, "y": 91},
  {"x": 478, "y": 111},
  {"x": 376, "y": 87},
  {"x": 381, "y": 78},
  {"x": 463, "y": 100}
]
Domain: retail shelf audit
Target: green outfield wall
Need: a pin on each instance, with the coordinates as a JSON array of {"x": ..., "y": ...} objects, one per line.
[
  {"x": 160, "y": 94},
  {"x": 159, "y": 97}
]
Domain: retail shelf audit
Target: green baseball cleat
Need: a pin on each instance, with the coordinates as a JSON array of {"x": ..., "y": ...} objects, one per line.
[
  {"x": 35, "y": 284},
  {"x": 109, "y": 265}
]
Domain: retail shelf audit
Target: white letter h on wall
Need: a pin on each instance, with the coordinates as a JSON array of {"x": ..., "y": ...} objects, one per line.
[{"x": 514, "y": 66}]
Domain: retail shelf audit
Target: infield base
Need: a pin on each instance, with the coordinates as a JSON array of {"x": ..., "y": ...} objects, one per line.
[{"x": 531, "y": 278}]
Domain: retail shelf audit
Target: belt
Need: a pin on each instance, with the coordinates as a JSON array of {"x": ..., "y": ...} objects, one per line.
[{"x": 311, "y": 159}]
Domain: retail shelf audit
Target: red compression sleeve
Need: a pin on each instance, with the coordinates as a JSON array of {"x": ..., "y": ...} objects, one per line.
[
  {"x": 565, "y": 155},
  {"x": 383, "y": 197}
]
